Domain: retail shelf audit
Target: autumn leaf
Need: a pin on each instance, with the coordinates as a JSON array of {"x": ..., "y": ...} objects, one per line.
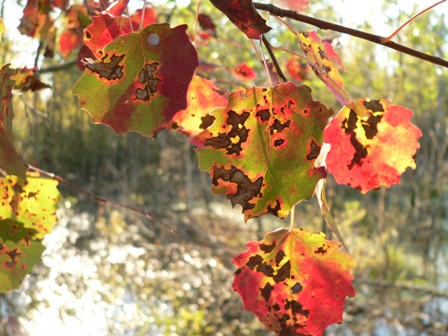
[
  {"x": 149, "y": 17},
  {"x": 28, "y": 80},
  {"x": 261, "y": 149},
  {"x": 202, "y": 97},
  {"x": 244, "y": 72},
  {"x": 9, "y": 158},
  {"x": 325, "y": 63},
  {"x": 32, "y": 202},
  {"x": 295, "y": 5},
  {"x": 18, "y": 254},
  {"x": 295, "y": 282},
  {"x": 298, "y": 69},
  {"x": 105, "y": 29},
  {"x": 372, "y": 144},
  {"x": 141, "y": 81},
  {"x": 243, "y": 14},
  {"x": 69, "y": 40},
  {"x": 27, "y": 214},
  {"x": 206, "y": 23},
  {"x": 117, "y": 8}
]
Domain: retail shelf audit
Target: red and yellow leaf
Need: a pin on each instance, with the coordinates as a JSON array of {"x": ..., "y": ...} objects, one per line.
[
  {"x": 244, "y": 15},
  {"x": 9, "y": 158},
  {"x": 202, "y": 97},
  {"x": 295, "y": 282},
  {"x": 295, "y": 5},
  {"x": 325, "y": 62},
  {"x": 69, "y": 40},
  {"x": 261, "y": 149},
  {"x": 141, "y": 81},
  {"x": 28, "y": 80},
  {"x": 106, "y": 29},
  {"x": 372, "y": 144}
]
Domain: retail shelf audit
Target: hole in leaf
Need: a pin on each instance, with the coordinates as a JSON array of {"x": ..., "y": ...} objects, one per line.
[{"x": 153, "y": 39}]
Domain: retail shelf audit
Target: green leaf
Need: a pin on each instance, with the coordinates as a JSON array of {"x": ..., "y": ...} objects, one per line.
[
  {"x": 141, "y": 81},
  {"x": 262, "y": 147},
  {"x": 295, "y": 282}
]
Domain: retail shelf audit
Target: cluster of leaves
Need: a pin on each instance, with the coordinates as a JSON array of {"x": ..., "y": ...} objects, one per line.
[{"x": 266, "y": 148}]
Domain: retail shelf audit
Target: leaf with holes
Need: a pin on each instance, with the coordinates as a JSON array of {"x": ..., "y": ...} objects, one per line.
[
  {"x": 243, "y": 15},
  {"x": 9, "y": 158},
  {"x": 32, "y": 202},
  {"x": 261, "y": 149},
  {"x": 325, "y": 63},
  {"x": 104, "y": 29},
  {"x": 18, "y": 253},
  {"x": 295, "y": 5},
  {"x": 372, "y": 144},
  {"x": 202, "y": 97},
  {"x": 295, "y": 282},
  {"x": 141, "y": 81}
]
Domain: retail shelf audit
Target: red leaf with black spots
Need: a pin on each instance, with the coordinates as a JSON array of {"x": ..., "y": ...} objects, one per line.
[
  {"x": 295, "y": 282},
  {"x": 244, "y": 15},
  {"x": 244, "y": 72},
  {"x": 372, "y": 144}
]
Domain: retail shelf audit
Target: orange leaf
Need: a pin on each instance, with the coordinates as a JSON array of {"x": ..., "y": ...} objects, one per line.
[{"x": 372, "y": 144}]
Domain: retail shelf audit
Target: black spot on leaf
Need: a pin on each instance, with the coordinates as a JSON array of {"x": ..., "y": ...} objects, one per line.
[
  {"x": 267, "y": 248},
  {"x": 266, "y": 291},
  {"x": 297, "y": 288},
  {"x": 283, "y": 273}
]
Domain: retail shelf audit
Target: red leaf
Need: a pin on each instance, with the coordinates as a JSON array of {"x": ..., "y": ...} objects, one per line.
[
  {"x": 298, "y": 69},
  {"x": 244, "y": 72},
  {"x": 295, "y": 282},
  {"x": 84, "y": 53},
  {"x": 243, "y": 14},
  {"x": 372, "y": 144},
  {"x": 70, "y": 39},
  {"x": 206, "y": 23},
  {"x": 117, "y": 8},
  {"x": 141, "y": 81},
  {"x": 9, "y": 158},
  {"x": 262, "y": 147},
  {"x": 202, "y": 97},
  {"x": 149, "y": 18},
  {"x": 295, "y": 5},
  {"x": 106, "y": 29}
]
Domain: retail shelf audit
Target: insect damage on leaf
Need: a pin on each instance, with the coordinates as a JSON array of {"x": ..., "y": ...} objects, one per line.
[
  {"x": 138, "y": 84},
  {"x": 108, "y": 67},
  {"x": 266, "y": 141},
  {"x": 295, "y": 282},
  {"x": 372, "y": 144}
]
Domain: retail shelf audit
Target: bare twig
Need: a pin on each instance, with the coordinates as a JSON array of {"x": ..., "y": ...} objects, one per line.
[
  {"x": 99, "y": 198},
  {"x": 353, "y": 32},
  {"x": 274, "y": 59}
]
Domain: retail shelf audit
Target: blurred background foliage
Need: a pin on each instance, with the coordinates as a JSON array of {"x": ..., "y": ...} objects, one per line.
[{"x": 110, "y": 272}]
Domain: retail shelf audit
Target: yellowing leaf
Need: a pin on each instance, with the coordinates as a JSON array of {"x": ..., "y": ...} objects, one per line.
[
  {"x": 261, "y": 149},
  {"x": 295, "y": 282},
  {"x": 141, "y": 81},
  {"x": 372, "y": 144},
  {"x": 325, "y": 62}
]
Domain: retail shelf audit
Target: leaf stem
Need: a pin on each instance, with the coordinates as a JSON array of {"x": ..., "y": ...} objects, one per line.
[
  {"x": 353, "y": 32},
  {"x": 196, "y": 23},
  {"x": 391, "y": 36},
  {"x": 274, "y": 59},
  {"x": 99, "y": 198},
  {"x": 291, "y": 225}
]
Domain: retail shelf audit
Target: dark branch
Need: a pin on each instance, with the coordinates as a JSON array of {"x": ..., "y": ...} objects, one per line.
[
  {"x": 274, "y": 59},
  {"x": 353, "y": 32},
  {"x": 99, "y": 198}
]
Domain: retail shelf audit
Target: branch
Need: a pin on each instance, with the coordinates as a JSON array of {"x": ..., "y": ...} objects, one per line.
[
  {"x": 99, "y": 198},
  {"x": 59, "y": 67},
  {"x": 274, "y": 59},
  {"x": 273, "y": 10}
]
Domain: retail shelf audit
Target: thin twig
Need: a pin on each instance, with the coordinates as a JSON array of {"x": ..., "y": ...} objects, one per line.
[
  {"x": 391, "y": 36},
  {"x": 99, "y": 198},
  {"x": 274, "y": 59},
  {"x": 353, "y": 32},
  {"x": 58, "y": 67}
]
